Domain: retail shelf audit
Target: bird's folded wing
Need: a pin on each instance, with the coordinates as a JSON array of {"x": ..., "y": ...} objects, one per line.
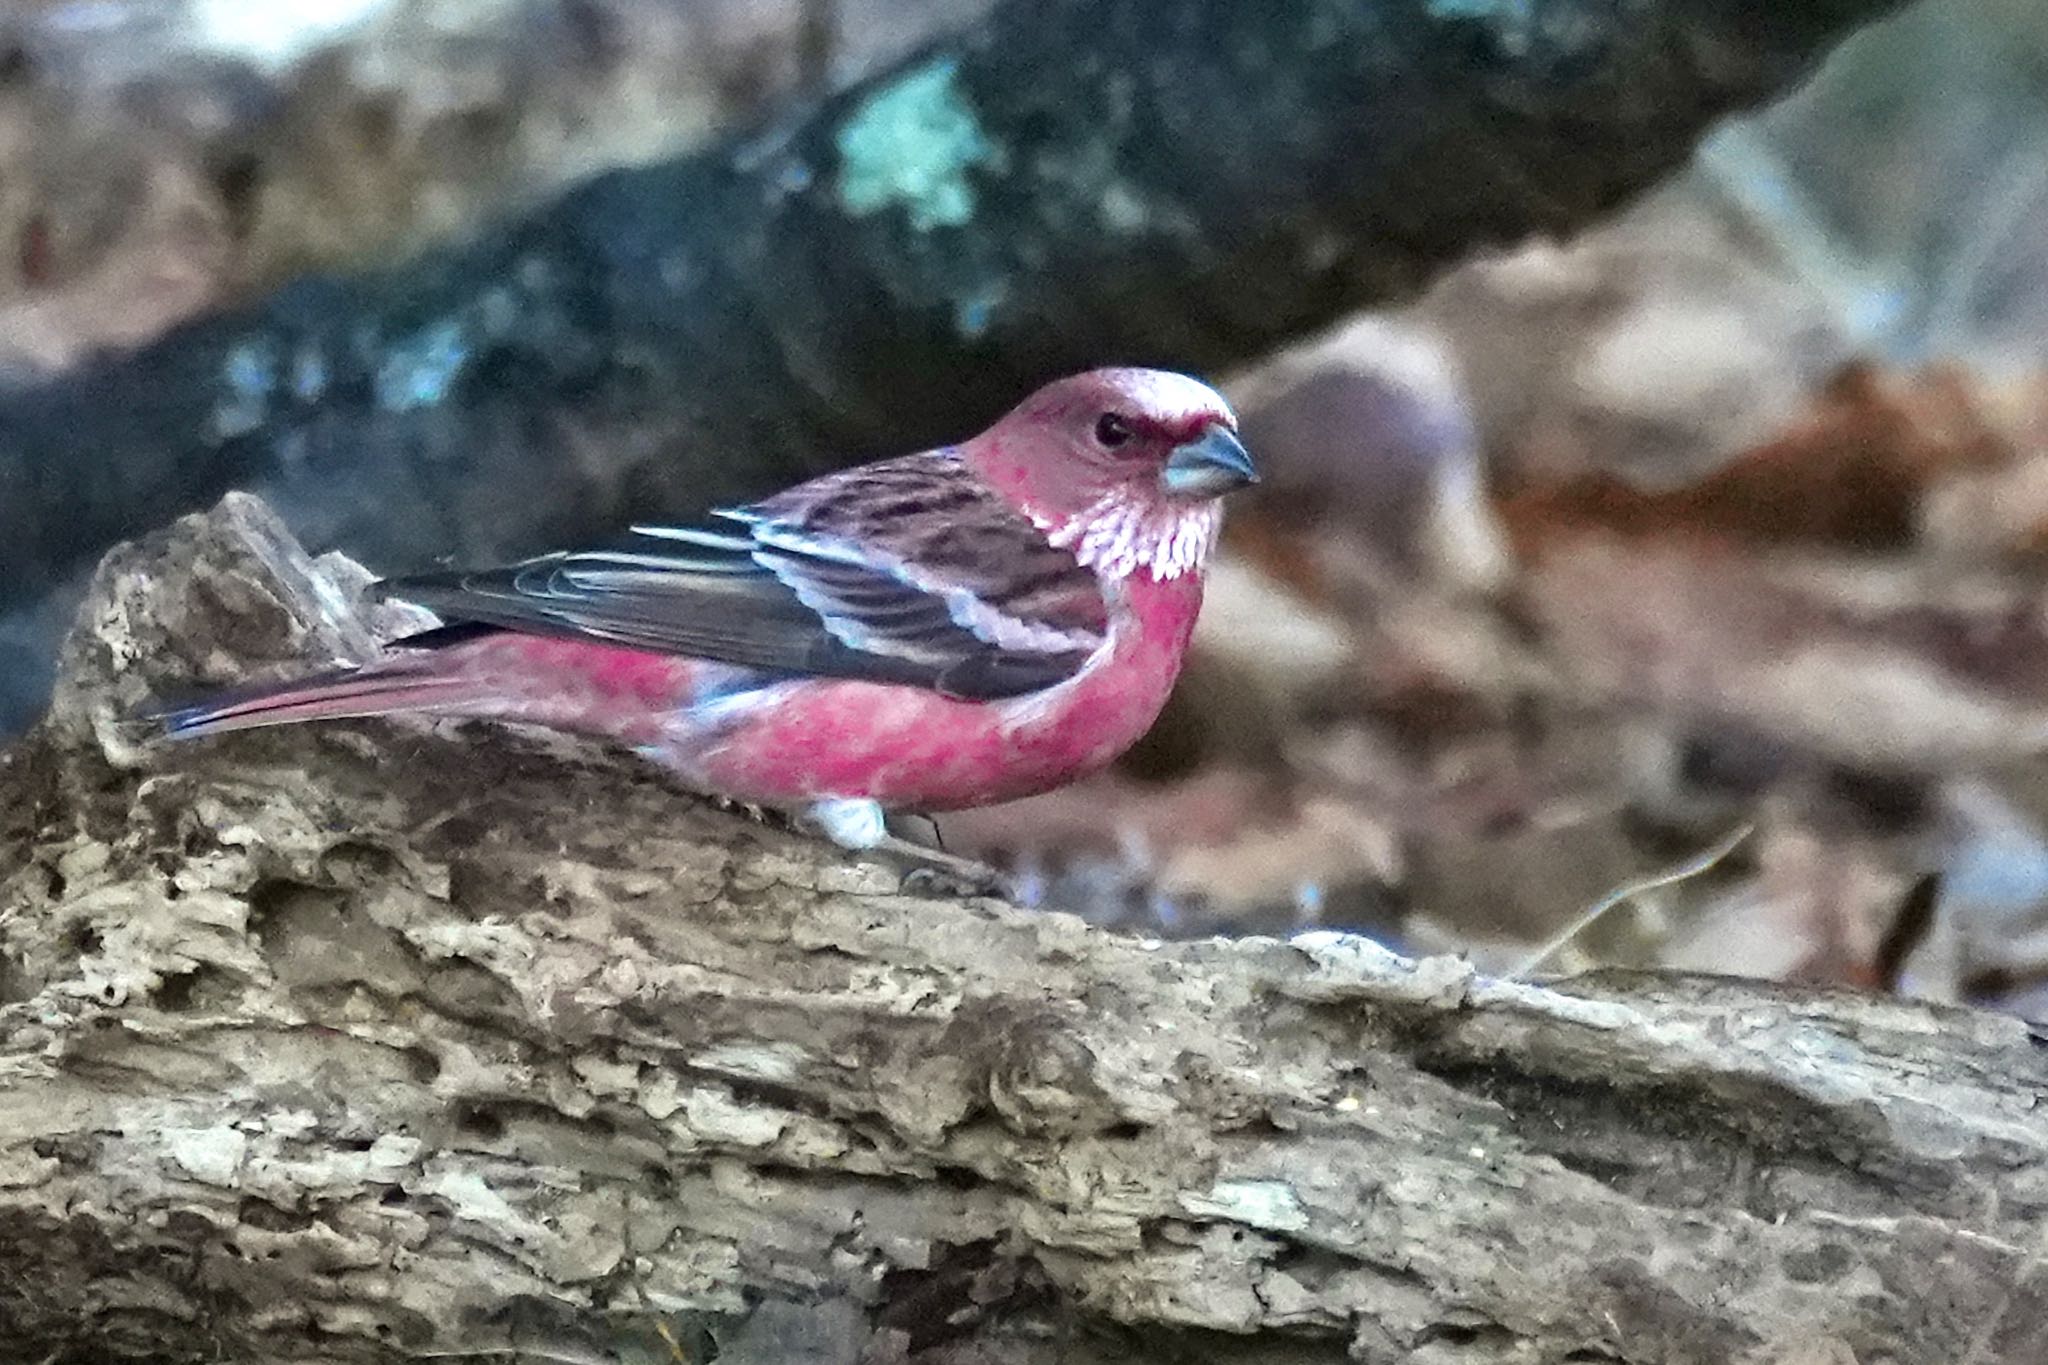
[{"x": 909, "y": 572}]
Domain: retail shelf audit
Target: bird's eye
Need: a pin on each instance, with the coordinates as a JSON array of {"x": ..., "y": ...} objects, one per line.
[{"x": 1112, "y": 430}]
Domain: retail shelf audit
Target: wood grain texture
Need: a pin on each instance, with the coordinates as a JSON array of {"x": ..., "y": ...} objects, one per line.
[{"x": 384, "y": 1042}]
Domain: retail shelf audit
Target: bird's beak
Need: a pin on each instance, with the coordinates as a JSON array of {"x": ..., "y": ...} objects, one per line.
[{"x": 1209, "y": 466}]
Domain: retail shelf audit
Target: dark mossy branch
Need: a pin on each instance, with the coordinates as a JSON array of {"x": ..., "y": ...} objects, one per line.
[{"x": 1071, "y": 182}]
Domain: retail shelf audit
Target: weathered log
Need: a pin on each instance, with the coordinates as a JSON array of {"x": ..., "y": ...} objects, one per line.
[{"x": 394, "y": 1041}]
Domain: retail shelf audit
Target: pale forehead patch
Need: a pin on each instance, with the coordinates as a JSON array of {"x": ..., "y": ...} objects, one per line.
[{"x": 1172, "y": 397}]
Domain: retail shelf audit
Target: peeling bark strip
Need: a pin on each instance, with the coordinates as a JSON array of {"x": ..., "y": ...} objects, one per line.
[
  {"x": 1068, "y": 183},
  {"x": 381, "y": 1042}
]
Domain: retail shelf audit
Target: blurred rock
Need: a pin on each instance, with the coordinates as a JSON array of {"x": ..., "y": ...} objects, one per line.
[
  {"x": 1366, "y": 433},
  {"x": 1648, "y": 351}
]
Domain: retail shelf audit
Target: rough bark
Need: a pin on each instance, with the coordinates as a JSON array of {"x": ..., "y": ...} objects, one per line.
[
  {"x": 1069, "y": 181},
  {"x": 385, "y": 1041}
]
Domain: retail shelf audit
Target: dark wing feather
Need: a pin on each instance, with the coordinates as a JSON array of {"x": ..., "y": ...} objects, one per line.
[{"x": 910, "y": 571}]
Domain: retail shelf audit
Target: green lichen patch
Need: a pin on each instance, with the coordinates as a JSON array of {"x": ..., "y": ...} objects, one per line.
[{"x": 911, "y": 144}]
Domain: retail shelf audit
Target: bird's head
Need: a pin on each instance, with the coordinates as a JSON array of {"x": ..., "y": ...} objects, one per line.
[{"x": 1123, "y": 466}]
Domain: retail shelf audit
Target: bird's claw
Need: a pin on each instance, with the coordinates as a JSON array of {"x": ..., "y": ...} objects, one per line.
[{"x": 956, "y": 879}]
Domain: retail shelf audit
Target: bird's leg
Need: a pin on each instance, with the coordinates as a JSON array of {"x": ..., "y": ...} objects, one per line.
[
  {"x": 943, "y": 873},
  {"x": 861, "y": 825},
  {"x": 940, "y": 873}
]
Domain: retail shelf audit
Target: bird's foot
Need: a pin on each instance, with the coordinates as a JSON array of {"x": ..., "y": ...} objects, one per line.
[
  {"x": 938, "y": 873},
  {"x": 863, "y": 827}
]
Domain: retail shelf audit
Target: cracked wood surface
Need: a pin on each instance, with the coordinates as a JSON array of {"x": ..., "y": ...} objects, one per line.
[{"x": 393, "y": 1041}]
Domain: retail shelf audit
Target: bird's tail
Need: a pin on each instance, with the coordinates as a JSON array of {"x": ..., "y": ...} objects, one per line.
[{"x": 377, "y": 690}]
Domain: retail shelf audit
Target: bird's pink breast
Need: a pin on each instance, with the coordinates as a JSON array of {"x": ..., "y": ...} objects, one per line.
[{"x": 914, "y": 749}]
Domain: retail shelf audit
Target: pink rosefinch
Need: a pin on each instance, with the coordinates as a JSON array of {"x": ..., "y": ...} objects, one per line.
[{"x": 968, "y": 625}]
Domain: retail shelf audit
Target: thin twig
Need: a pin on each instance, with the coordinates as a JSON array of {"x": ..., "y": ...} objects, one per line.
[{"x": 1691, "y": 867}]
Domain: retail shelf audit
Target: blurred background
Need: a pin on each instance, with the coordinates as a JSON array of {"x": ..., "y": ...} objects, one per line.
[{"x": 1718, "y": 529}]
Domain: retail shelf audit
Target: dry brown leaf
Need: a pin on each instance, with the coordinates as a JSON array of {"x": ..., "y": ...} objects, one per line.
[
  {"x": 1855, "y": 473},
  {"x": 1874, "y": 666}
]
